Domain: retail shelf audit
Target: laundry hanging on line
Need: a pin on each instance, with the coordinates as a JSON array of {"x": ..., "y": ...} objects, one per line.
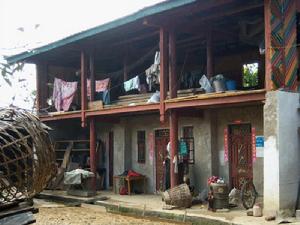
[
  {"x": 63, "y": 94},
  {"x": 132, "y": 84},
  {"x": 100, "y": 86},
  {"x": 153, "y": 72}
]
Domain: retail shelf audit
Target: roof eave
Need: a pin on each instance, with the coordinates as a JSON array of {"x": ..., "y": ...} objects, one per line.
[{"x": 149, "y": 11}]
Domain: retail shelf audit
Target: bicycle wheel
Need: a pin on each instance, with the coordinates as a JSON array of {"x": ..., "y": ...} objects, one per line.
[{"x": 248, "y": 194}]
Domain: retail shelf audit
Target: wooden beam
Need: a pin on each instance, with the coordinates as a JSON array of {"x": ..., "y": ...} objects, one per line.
[
  {"x": 125, "y": 110},
  {"x": 268, "y": 66},
  {"x": 63, "y": 116},
  {"x": 41, "y": 84},
  {"x": 163, "y": 45},
  {"x": 216, "y": 100},
  {"x": 92, "y": 76},
  {"x": 174, "y": 146},
  {"x": 93, "y": 158},
  {"x": 209, "y": 54},
  {"x": 125, "y": 66},
  {"x": 83, "y": 76},
  {"x": 172, "y": 65}
]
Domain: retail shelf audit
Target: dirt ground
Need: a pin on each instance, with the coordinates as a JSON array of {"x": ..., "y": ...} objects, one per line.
[{"x": 56, "y": 214}]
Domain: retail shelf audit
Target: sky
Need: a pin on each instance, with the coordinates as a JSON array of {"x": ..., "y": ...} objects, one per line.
[{"x": 25, "y": 25}]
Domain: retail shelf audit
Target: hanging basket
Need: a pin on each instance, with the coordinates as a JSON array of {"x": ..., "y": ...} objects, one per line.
[{"x": 27, "y": 158}]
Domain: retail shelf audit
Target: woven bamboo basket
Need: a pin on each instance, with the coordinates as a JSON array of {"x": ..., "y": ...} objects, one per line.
[
  {"x": 27, "y": 159},
  {"x": 179, "y": 196}
]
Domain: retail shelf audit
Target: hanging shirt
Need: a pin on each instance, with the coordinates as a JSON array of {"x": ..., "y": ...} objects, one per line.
[
  {"x": 63, "y": 94},
  {"x": 132, "y": 84},
  {"x": 183, "y": 150}
]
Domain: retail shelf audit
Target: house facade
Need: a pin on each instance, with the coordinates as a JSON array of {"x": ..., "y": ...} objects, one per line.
[{"x": 243, "y": 125}]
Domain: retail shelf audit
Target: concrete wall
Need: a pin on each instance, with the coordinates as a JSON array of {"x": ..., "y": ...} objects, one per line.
[
  {"x": 208, "y": 138},
  {"x": 282, "y": 155},
  {"x": 223, "y": 117}
]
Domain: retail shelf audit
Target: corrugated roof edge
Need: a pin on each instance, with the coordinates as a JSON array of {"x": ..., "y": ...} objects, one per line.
[{"x": 148, "y": 11}]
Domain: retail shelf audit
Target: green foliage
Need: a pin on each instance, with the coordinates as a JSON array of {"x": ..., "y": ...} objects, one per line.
[
  {"x": 7, "y": 71},
  {"x": 250, "y": 75}
]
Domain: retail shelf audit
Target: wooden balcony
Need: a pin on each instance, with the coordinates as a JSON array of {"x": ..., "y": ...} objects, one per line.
[{"x": 138, "y": 104}]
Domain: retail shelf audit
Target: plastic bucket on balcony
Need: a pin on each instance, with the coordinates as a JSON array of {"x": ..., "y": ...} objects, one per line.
[{"x": 231, "y": 85}]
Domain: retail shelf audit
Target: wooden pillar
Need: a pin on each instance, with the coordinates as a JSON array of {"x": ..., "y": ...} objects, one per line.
[
  {"x": 268, "y": 65},
  {"x": 174, "y": 146},
  {"x": 92, "y": 76},
  {"x": 41, "y": 85},
  {"x": 93, "y": 159},
  {"x": 172, "y": 65},
  {"x": 83, "y": 87},
  {"x": 209, "y": 54},
  {"x": 125, "y": 69},
  {"x": 173, "y": 114},
  {"x": 163, "y": 46}
]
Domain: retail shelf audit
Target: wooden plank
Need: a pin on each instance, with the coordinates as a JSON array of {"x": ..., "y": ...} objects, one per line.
[
  {"x": 209, "y": 102},
  {"x": 16, "y": 210},
  {"x": 96, "y": 105},
  {"x": 67, "y": 155},
  {"x": 20, "y": 219}
]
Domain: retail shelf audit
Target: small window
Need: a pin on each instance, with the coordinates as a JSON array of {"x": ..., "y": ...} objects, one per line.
[
  {"x": 250, "y": 75},
  {"x": 141, "y": 145},
  {"x": 188, "y": 137}
]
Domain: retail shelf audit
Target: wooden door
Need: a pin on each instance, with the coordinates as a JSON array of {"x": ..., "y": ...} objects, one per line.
[
  {"x": 162, "y": 138},
  {"x": 240, "y": 154},
  {"x": 111, "y": 157}
]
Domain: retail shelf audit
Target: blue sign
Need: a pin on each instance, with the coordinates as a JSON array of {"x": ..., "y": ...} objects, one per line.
[{"x": 260, "y": 141}]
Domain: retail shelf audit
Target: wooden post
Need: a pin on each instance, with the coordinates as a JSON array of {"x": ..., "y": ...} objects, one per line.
[
  {"x": 125, "y": 69},
  {"x": 92, "y": 76},
  {"x": 41, "y": 84},
  {"x": 173, "y": 114},
  {"x": 83, "y": 88},
  {"x": 174, "y": 146},
  {"x": 268, "y": 65},
  {"x": 209, "y": 53},
  {"x": 93, "y": 160},
  {"x": 163, "y": 71},
  {"x": 172, "y": 65}
]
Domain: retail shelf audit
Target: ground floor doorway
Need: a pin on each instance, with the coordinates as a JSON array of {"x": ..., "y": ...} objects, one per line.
[
  {"x": 162, "y": 138},
  {"x": 240, "y": 154}
]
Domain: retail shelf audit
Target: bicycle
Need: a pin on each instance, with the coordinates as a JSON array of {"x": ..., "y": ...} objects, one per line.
[{"x": 248, "y": 194}]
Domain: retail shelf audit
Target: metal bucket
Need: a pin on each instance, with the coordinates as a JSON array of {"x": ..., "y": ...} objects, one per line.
[
  {"x": 220, "y": 193},
  {"x": 219, "y": 85}
]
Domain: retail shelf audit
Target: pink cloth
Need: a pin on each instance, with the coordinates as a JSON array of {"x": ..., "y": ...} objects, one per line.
[
  {"x": 100, "y": 85},
  {"x": 63, "y": 94}
]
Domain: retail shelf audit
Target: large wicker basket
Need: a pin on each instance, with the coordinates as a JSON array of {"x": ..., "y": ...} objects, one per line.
[
  {"x": 179, "y": 196},
  {"x": 27, "y": 159}
]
